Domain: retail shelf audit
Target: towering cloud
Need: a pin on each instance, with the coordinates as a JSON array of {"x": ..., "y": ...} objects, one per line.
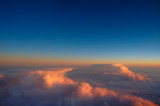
[
  {"x": 52, "y": 87},
  {"x": 55, "y": 76},
  {"x": 121, "y": 70}
]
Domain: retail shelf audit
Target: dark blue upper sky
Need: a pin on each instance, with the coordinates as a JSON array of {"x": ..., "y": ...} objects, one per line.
[{"x": 99, "y": 29}]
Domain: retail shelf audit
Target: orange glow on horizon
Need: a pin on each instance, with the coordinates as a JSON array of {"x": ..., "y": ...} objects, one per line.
[{"x": 38, "y": 61}]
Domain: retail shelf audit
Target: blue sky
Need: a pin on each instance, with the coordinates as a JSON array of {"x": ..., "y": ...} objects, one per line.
[{"x": 95, "y": 29}]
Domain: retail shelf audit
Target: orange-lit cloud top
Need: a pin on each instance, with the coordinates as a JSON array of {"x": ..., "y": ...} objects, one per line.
[
  {"x": 52, "y": 86},
  {"x": 57, "y": 76},
  {"x": 87, "y": 91},
  {"x": 124, "y": 71},
  {"x": 118, "y": 71}
]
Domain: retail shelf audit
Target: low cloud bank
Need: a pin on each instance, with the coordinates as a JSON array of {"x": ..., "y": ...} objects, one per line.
[{"x": 52, "y": 87}]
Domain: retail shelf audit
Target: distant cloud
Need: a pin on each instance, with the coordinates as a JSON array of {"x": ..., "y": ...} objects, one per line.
[
  {"x": 124, "y": 71},
  {"x": 120, "y": 70},
  {"x": 52, "y": 87}
]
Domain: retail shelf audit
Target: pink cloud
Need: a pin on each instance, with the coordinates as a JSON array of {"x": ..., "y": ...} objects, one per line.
[
  {"x": 53, "y": 87},
  {"x": 124, "y": 71}
]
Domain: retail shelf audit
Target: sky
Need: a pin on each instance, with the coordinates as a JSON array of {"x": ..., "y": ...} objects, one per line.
[{"x": 80, "y": 31}]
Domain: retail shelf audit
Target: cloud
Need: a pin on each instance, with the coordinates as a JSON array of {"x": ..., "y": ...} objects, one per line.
[
  {"x": 85, "y": 91},
  {"x": 57, "y": 76},
  {"x": 1, "y": 75},
  {"x": 119, "y": 71},
  {"x": 53, "y": 87}
]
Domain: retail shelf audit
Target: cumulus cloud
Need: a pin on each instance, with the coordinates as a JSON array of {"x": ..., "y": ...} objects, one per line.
[
  {"x": 53, "y": 87},
  {"x": 57, "y": 76},
  {"x": 120, "y": 71},
  {"x": 124, "y": 71},
  {"x": 85, "y": 91}
]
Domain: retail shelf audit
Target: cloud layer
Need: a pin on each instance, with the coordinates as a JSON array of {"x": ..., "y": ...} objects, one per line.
[{"x": 52, "y": 87}]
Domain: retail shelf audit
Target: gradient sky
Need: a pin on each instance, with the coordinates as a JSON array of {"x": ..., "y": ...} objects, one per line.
[{"x": 81, "y": 30}]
